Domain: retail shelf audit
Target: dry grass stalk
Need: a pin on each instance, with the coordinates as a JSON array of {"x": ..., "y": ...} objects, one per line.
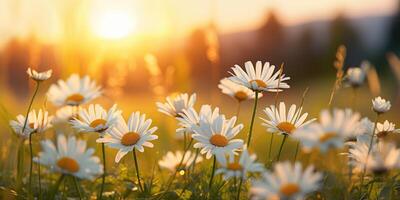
[{"x": 338, "y": 64}]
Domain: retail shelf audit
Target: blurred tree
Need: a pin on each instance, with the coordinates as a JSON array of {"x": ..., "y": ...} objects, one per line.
[{"x": 394, "y": 32}]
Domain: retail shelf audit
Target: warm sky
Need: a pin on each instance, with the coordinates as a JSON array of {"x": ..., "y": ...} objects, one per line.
[{"x": 21, "y": 17}]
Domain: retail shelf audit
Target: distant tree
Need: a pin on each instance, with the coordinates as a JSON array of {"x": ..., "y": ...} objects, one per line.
[{"x": 394, "y": 32}]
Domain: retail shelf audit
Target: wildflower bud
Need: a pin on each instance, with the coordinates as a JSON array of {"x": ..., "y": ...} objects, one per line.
[{"x": 380, "y": 105}]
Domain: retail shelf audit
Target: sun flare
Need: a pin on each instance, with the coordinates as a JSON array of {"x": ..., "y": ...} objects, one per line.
[{"x": 113, "y": 25}]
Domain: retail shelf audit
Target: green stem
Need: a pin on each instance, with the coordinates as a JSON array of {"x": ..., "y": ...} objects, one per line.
[
  {"x": 104, "y": 173},
  {"x": 20, "y": 164},
  {"x": 212, "y": 173},
  {"x": 40, "y": 182},
  {"x": 30, "y": 166},
  {"x": 239, "y": 189},
  {"x": 297, "y": 151},
  {"x": 195, "y": 158},
  {"x": 137, "y": 170},
  {"x": 30, "y": 106},
  {"x": 369, "y": 150},
  {"x": 252, "y": 119},
  {"x": 270, "y": 148},
  {"x": 281, "y": 147},
  {"x": 56, "y": 186},
  {"x": 77, "y": 187}
]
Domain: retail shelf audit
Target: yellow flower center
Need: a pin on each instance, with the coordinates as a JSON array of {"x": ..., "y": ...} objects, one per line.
[
  {"x": 219, "y": 140},
  {"x": 241, "y": 96},
  {"x": 68, "y": 164},
  {"x": 289, "y": 189},
  {"x": 130, "y": 138},
  {"x": 259, "y": 83},
  {"x": 327, "y": 136},
  {"x": 234, "y": 166},
  {"x": 286, "y": 127},
  {"x": 31, "y": 125},
  {"x": 75, "y": 98},
  {"x": 97, "y": 122}
]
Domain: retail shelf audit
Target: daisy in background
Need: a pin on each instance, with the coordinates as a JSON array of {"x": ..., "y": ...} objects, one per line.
[
  {"x": 332, "y": 130},
  {"x": 74, "y": 91},
  {"x": 70, "y": 157},
  {"x": 176, "y": 104},
  {"x": 259, "y": 78},
  {"x": 234, "y": 90},
  {"x": 356, "y": 76},
  {"x": 66, "y": 114},
  {"x": 385, "y": 128},
  {"x": 382, "y": 158},
  {"x": 96, "y": 119},
  {"x": 231, "y": 168},
  {"x": 215, "y": 135},
  {"x": 190, "y": 118},
  {"x": 39, "y": 76},
  {"x": 176, "y": 162},
  {"x": 287, "y": 181},
  {"x": 380, "y": 105},
  {"x": 278, "y": 121},
  {"x": 37, "y": 122},
  {"x": 127, "y": 136}
]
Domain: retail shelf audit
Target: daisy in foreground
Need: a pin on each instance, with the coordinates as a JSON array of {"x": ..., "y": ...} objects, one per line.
[
  {"x": 279, "y": 122},
  {"x": 176, "y": 104},
  {"x": 70, "y": 157},
  {"x": 286, "y": 182},
  {"x": 39, "y": 76},
  {"x": 189, "y": 118},
  {"x": 231, "y": 168},
  {"x": 259, "y": 78},
  {"x": 75, "y": 91},
  {"x": 176, "y": 161},
  {"x": 234, "y": 90},
  {"x": 37, "y": 122},
  {"x": 214, "y": 135},
  {"x": 96, "y": 119},
  {"x": 332, "y": 130},
  {"x": 382, "y": 158},
  {"x": 126, "y": 137}
]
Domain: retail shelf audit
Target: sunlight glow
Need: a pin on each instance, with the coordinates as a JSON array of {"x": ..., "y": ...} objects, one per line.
[{"x": 114, "y": 25}]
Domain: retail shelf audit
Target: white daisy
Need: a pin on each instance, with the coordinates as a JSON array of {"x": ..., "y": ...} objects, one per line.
[
  {"x": 176, "y": 104},
  {"x": 74, "y": 91},
  {"x": 259, "y": 78},
  {"x": 96, "y": 119},
  {"x": 171, "y": 161},
  {"x": 380, "y": 105},
  {"x": 37, "y": 123},
  {"x": 382, "y": 158},
  {"x": 280, "y": 122},
  {"x": 190, "y": 118},
  {"x": 134, "y": 135},
  {"x": 214, "y": 135},
  {"x": 286, "y": 182},
  {"x": 70, "y": 157},
  {"x": 239, "y": 168},
  {"x": 234, "y": 90},
  {"x": 66, "y": 114},
  {"x": 355, "y": 76},
  {"x": 385, "y": 128},
  {"x": 39, "y": 76},
  {"x": 332, "y": 131}
]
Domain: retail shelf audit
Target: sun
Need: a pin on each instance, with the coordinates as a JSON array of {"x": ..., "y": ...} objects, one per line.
[{"x": 113, "y": 24}]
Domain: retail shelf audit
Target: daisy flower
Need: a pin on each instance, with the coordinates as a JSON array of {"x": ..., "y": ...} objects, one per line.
[
  {"x": 190, "y": 118},
  {"x": 96, "y": 119},
  {"x": 172, "y": 161},
  {"x": 38, "y": 122},
  {"x": 214, "y": 135},
  {"x": 259, "y": 78},
  {"x": 332, "y": 130},
  {"x": 39, "y": 76},
  {"x": 239, "y": 168},
  {"x": 176, "y": 104},
  {"x": 71, "y": 157},
  {"x": 280, "y": 122},
  {"x": 355, "y": 76},
  {"x": 135, "y": 134},
  {"x": 66, "y": 114},
  {"x": 382, "y": 158},
  {"x": 234, "y": 90},
  {"x": 74, "y": 91},
  {"x": 286, "y": 182},
  {"x": 385, "y": 128},
  {"x": 380, "y": 105}
]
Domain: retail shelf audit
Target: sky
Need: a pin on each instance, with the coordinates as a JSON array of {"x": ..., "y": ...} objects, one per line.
[{"x": 178, "y": 17}]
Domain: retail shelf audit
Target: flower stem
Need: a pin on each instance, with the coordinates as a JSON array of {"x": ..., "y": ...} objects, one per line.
[
  {"x": 270, "y": 148},
  {"x": 212, "y": 173},
  {"x": 40, "y": 182},
  {"x": 20, "y": 164},
  {"x": 137, "y": 170},
  {"x": 281, "y": 147},
  {"x": 56, "y": 186},
  {"x": 31, "y": 165},
  {"x": 252, "y": 119},
  {"x": 297, "y": 151},
  {"x": 103, "y": 179},
  {"x": 239, "y": 189},
  {"x": 77, "y": 187}
]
